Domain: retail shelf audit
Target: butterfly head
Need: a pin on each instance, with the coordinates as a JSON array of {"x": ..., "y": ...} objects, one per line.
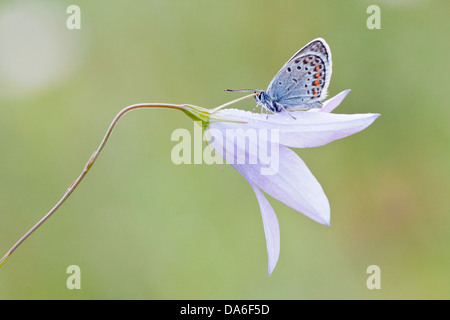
[{"x": 261, "y": 98}]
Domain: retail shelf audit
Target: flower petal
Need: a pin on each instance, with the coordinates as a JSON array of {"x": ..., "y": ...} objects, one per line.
[
  {"x": 291, "y": 182},
  {"x": 332, "y": 103},
  {"x": 309, "y": 129},
  {"x": 271, "y": 229},
  {"x": 321, "y": 128}
]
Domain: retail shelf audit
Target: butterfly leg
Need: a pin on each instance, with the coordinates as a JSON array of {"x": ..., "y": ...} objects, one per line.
[
  {"x": 257, "y": 105},
  {"x": 288, "y": 112},
  {"x": 269, "y": 112}
]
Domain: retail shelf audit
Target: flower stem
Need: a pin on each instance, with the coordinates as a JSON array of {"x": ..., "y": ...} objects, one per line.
[
  {"x": 195, "y": 112},
  {"x": 89, "y": 164}
]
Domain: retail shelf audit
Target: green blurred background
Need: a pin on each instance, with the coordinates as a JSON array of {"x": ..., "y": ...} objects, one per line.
[{"x": 141, "y": 227}]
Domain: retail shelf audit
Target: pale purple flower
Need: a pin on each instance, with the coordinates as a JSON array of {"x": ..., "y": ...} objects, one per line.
[{"x": 292, "y": 183}]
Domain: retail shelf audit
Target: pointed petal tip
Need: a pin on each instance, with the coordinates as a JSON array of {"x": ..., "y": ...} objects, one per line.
[
  {"x": 372, "y": 117},
  {"x": 335, "y": 101},
  {"x": 271, "y": 229},
  {"x": 324, "y": 221},
  {"x": 272, "y": 265},
  {"x": 344, "y": 93}
]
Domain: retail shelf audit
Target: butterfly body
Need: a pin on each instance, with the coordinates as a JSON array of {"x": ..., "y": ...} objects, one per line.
[{"x": 262, "y": 98}]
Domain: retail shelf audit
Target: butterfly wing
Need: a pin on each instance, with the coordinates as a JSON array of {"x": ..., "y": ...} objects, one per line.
[{"x": 303, "y": 81}]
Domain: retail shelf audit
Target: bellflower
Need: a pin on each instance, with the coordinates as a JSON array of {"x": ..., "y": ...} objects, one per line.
[
  {"x": 290, "y": 181},
  {"x": 257, "y": 146}
]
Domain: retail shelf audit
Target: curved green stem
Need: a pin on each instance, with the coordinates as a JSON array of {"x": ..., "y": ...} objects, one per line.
[
  {"x": 195, "y": 112},
  {"x": 88, "y": 165}
]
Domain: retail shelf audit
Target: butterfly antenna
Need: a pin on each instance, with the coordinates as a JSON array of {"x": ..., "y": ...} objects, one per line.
[{"x": 243, "y": 90}]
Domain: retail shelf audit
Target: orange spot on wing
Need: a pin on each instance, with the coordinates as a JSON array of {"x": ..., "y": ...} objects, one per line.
[{"x": 316, "y": 83}]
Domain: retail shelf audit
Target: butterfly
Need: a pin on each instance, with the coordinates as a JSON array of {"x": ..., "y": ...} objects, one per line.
[{"x": 301, "y": 84}]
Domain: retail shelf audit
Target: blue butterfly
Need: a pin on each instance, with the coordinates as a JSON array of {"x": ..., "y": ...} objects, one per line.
[{"x": 302, "y": 82}]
